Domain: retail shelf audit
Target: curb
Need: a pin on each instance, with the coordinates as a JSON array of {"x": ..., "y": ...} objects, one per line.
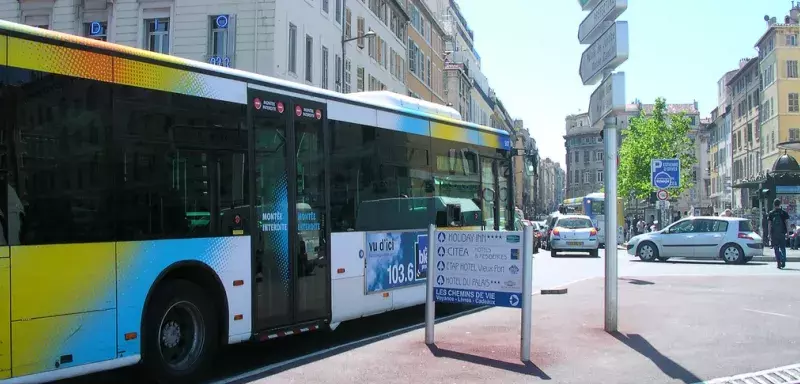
[
  {"x": 556, "y": 291},
  {"x": 772, "y": 258}
]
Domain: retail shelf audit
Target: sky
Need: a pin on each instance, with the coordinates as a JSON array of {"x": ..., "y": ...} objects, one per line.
[{"x": 679, "y": 49}]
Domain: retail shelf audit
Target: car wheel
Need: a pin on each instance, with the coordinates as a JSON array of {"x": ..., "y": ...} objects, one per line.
[
  {"x": 732, "y": 254},
  {"x": 553, "y": 253},
  {"x": 647, "y": 251},
  {"x": 594, "y": 253}
]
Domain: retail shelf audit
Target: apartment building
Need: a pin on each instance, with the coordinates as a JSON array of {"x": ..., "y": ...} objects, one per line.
[
  {"x": 546, "y": 192},
  {"x": 778, "y": 57},
  {"x": 297, "y": 40},
  {"x": 719, "y": 159},
  {"x": 584, "y": 162},
  {"x": 425, "y": 76},
  {"x": 744, "y": 93}
]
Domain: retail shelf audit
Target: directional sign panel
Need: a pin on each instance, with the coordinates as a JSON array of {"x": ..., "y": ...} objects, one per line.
[
  {"x": 665, "y": 173},
  {"x": 607, "y": 53},
  {"x": 587, "y": 4},
  {"x": 600, "y": 19},
  {"x": 478, "y": 267},
  {"x": 608, "y": 97}
]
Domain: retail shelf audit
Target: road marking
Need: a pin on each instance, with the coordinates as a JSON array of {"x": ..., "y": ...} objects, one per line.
[
  {"x": 769, "y": 313},
  {"x": 272, "y": 367},
  {"x": 789, "y": 374}
]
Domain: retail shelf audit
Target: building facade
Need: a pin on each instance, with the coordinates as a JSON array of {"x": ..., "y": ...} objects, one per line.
[
  {"x": 547, "y": 184},
  {"x": 585, "y": 151},
  {"x": 425, "y": 76},
  {"x": 778, "y": 57},
  {"x": 300, "y": 41},
  {"x": 744, "y": 93},
  {"x": 583, "y": 145}
]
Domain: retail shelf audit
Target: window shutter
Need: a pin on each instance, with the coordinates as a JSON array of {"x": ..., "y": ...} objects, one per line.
[{"x": 232, "y": 40}]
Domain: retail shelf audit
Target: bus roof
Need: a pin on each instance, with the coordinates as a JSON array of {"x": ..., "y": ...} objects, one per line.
[{"x": 194, "y": 78}]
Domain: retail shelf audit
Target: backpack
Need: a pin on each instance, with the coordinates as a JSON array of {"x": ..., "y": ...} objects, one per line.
[{"x": 778, "y": 225}]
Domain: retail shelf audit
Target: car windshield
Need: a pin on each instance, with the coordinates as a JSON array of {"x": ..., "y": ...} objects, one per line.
[{"x": 574, "y": 223}]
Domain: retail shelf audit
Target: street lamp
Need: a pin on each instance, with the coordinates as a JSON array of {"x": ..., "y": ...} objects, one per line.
[{"x": 368, "y": 35}]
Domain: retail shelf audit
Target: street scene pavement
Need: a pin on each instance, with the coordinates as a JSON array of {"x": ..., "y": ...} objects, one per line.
[
  {"x": 676, "y": 329},
  {"x": 683, "y": 319}
]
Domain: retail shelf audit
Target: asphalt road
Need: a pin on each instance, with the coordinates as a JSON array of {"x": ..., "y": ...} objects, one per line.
[{"x": 548, "y": 273}]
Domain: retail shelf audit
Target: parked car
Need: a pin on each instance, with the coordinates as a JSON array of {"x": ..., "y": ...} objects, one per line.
[
  {"x": 574, "y": 233},
  {"x": 731, "y": 239},
  {"x": 519, "y": 226}
]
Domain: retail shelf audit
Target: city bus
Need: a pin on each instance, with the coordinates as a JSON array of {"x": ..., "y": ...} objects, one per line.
[
  {"x": 158, "y": 208},
  {"x": 593, "y": 205}
]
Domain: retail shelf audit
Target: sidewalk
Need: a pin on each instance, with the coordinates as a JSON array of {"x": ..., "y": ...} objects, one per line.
[{"x": 672, "y": 330}]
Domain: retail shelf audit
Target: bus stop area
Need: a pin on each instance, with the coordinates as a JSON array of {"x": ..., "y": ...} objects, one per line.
[{"x": 677, "y": 329}]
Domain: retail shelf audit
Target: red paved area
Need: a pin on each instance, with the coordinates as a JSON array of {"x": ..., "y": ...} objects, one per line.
[{"x": 672, "y": 330}]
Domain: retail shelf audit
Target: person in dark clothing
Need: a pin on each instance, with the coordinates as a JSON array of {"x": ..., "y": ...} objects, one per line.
[{"x": 778, "y": 220}]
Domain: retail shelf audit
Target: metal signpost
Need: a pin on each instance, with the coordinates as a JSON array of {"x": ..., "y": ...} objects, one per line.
[
  {"x": 481, "y": 268},
  {"x": 665, "y": 173},
  {"x": 606, "y": 54},
  {"x": 608, "y": 49},
  {"x": 609, "y": 97},
  {"x": 600, "y": 19}
]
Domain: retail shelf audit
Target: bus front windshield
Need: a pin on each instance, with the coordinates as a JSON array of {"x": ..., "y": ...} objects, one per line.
[{"x": 598, "y": 207}]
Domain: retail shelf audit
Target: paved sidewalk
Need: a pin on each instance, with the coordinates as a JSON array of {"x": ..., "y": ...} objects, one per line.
[{"x": 672, "y": 330}]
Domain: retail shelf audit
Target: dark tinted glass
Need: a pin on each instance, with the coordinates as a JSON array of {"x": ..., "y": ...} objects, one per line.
[
  {"x": 56, "y": 144},
  {"x": 180, "y": 164},
  {"x": 744, "y": 226},
  {"x": 380, "y": 179}
]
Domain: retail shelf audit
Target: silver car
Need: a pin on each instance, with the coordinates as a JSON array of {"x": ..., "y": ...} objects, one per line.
[
  {"x": 731, "y": 239},
  {"x": 573, "y": 233}
]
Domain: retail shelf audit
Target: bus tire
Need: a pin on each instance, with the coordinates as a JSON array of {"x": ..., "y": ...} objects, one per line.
[{"x": 180, "y": 333}]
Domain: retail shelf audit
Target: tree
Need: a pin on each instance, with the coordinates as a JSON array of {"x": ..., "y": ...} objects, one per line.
[{"x": 658, "y": 136}]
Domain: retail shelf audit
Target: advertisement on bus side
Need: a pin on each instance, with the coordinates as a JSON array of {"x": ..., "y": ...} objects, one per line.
[{"x": 396, "y": 259}]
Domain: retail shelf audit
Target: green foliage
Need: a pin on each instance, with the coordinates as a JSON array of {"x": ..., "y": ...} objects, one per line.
[{"x": 659, "y": 136}]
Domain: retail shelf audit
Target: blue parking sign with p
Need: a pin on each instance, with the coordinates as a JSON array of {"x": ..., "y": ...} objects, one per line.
[{"x": 665, "y": 173}]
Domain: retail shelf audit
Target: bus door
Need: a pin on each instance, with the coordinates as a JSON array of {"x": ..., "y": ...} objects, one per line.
[{"x": 289, "y": 246}]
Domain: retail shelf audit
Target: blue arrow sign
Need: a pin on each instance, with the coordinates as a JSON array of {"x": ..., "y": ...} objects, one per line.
[{"x": 665, "y": 173}]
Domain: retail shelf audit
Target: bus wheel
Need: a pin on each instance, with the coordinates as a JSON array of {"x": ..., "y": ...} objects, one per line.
[{"x": 180, "y": 333}]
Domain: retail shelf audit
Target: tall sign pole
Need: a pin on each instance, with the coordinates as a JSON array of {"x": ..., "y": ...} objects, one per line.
[{"x": 608, "y": 49}]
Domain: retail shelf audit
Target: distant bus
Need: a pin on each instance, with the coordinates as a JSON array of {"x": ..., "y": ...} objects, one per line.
[{"x": 593, "y": 205}]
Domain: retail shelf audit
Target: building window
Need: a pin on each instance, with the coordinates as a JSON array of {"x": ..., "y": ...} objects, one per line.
[
  {"x": 97, "y": 30},
  {"x": 348, "y": 21},
  {"x": 360, "y": 79},
  {"x": 599, "y": 175},
  {"x": 791, "y": 40},
  {"x": 157, "y": 35},
  {"x": 338, "y": 11},
  {"x": 791, "y": 69},
  {"x": 794, "y": 134},
  {"x": 337, "y": 66},
  {"x": 222, "y": 39},
  {"x": 793, "y": 103},
  {"x": 325, "y": 6},
  {"x": 292, "y": 48},
  {"x": 38, "y": 21},
  {"x": 309, "y": 58},
  {"x": 325, "y": 67},
  {"x": 360, "y": 31},
  {"x": 347, "y": 77}
]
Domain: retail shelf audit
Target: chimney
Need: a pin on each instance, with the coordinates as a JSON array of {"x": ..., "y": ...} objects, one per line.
[
  {"x": 794, "y": 13},
  {"x": 696, "y": 107}
]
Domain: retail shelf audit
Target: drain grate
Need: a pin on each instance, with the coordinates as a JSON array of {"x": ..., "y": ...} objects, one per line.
[{"x": 789, "y": 374}]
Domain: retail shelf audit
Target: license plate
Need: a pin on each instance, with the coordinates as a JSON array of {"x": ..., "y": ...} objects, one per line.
[{"x": 574, "y": 243}]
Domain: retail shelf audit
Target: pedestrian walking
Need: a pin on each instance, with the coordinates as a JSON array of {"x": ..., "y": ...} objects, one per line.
[{"x": 778, "y": 220}]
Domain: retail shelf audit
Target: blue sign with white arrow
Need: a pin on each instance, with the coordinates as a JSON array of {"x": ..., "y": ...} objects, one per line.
[{"x": 665, "y": 173}]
